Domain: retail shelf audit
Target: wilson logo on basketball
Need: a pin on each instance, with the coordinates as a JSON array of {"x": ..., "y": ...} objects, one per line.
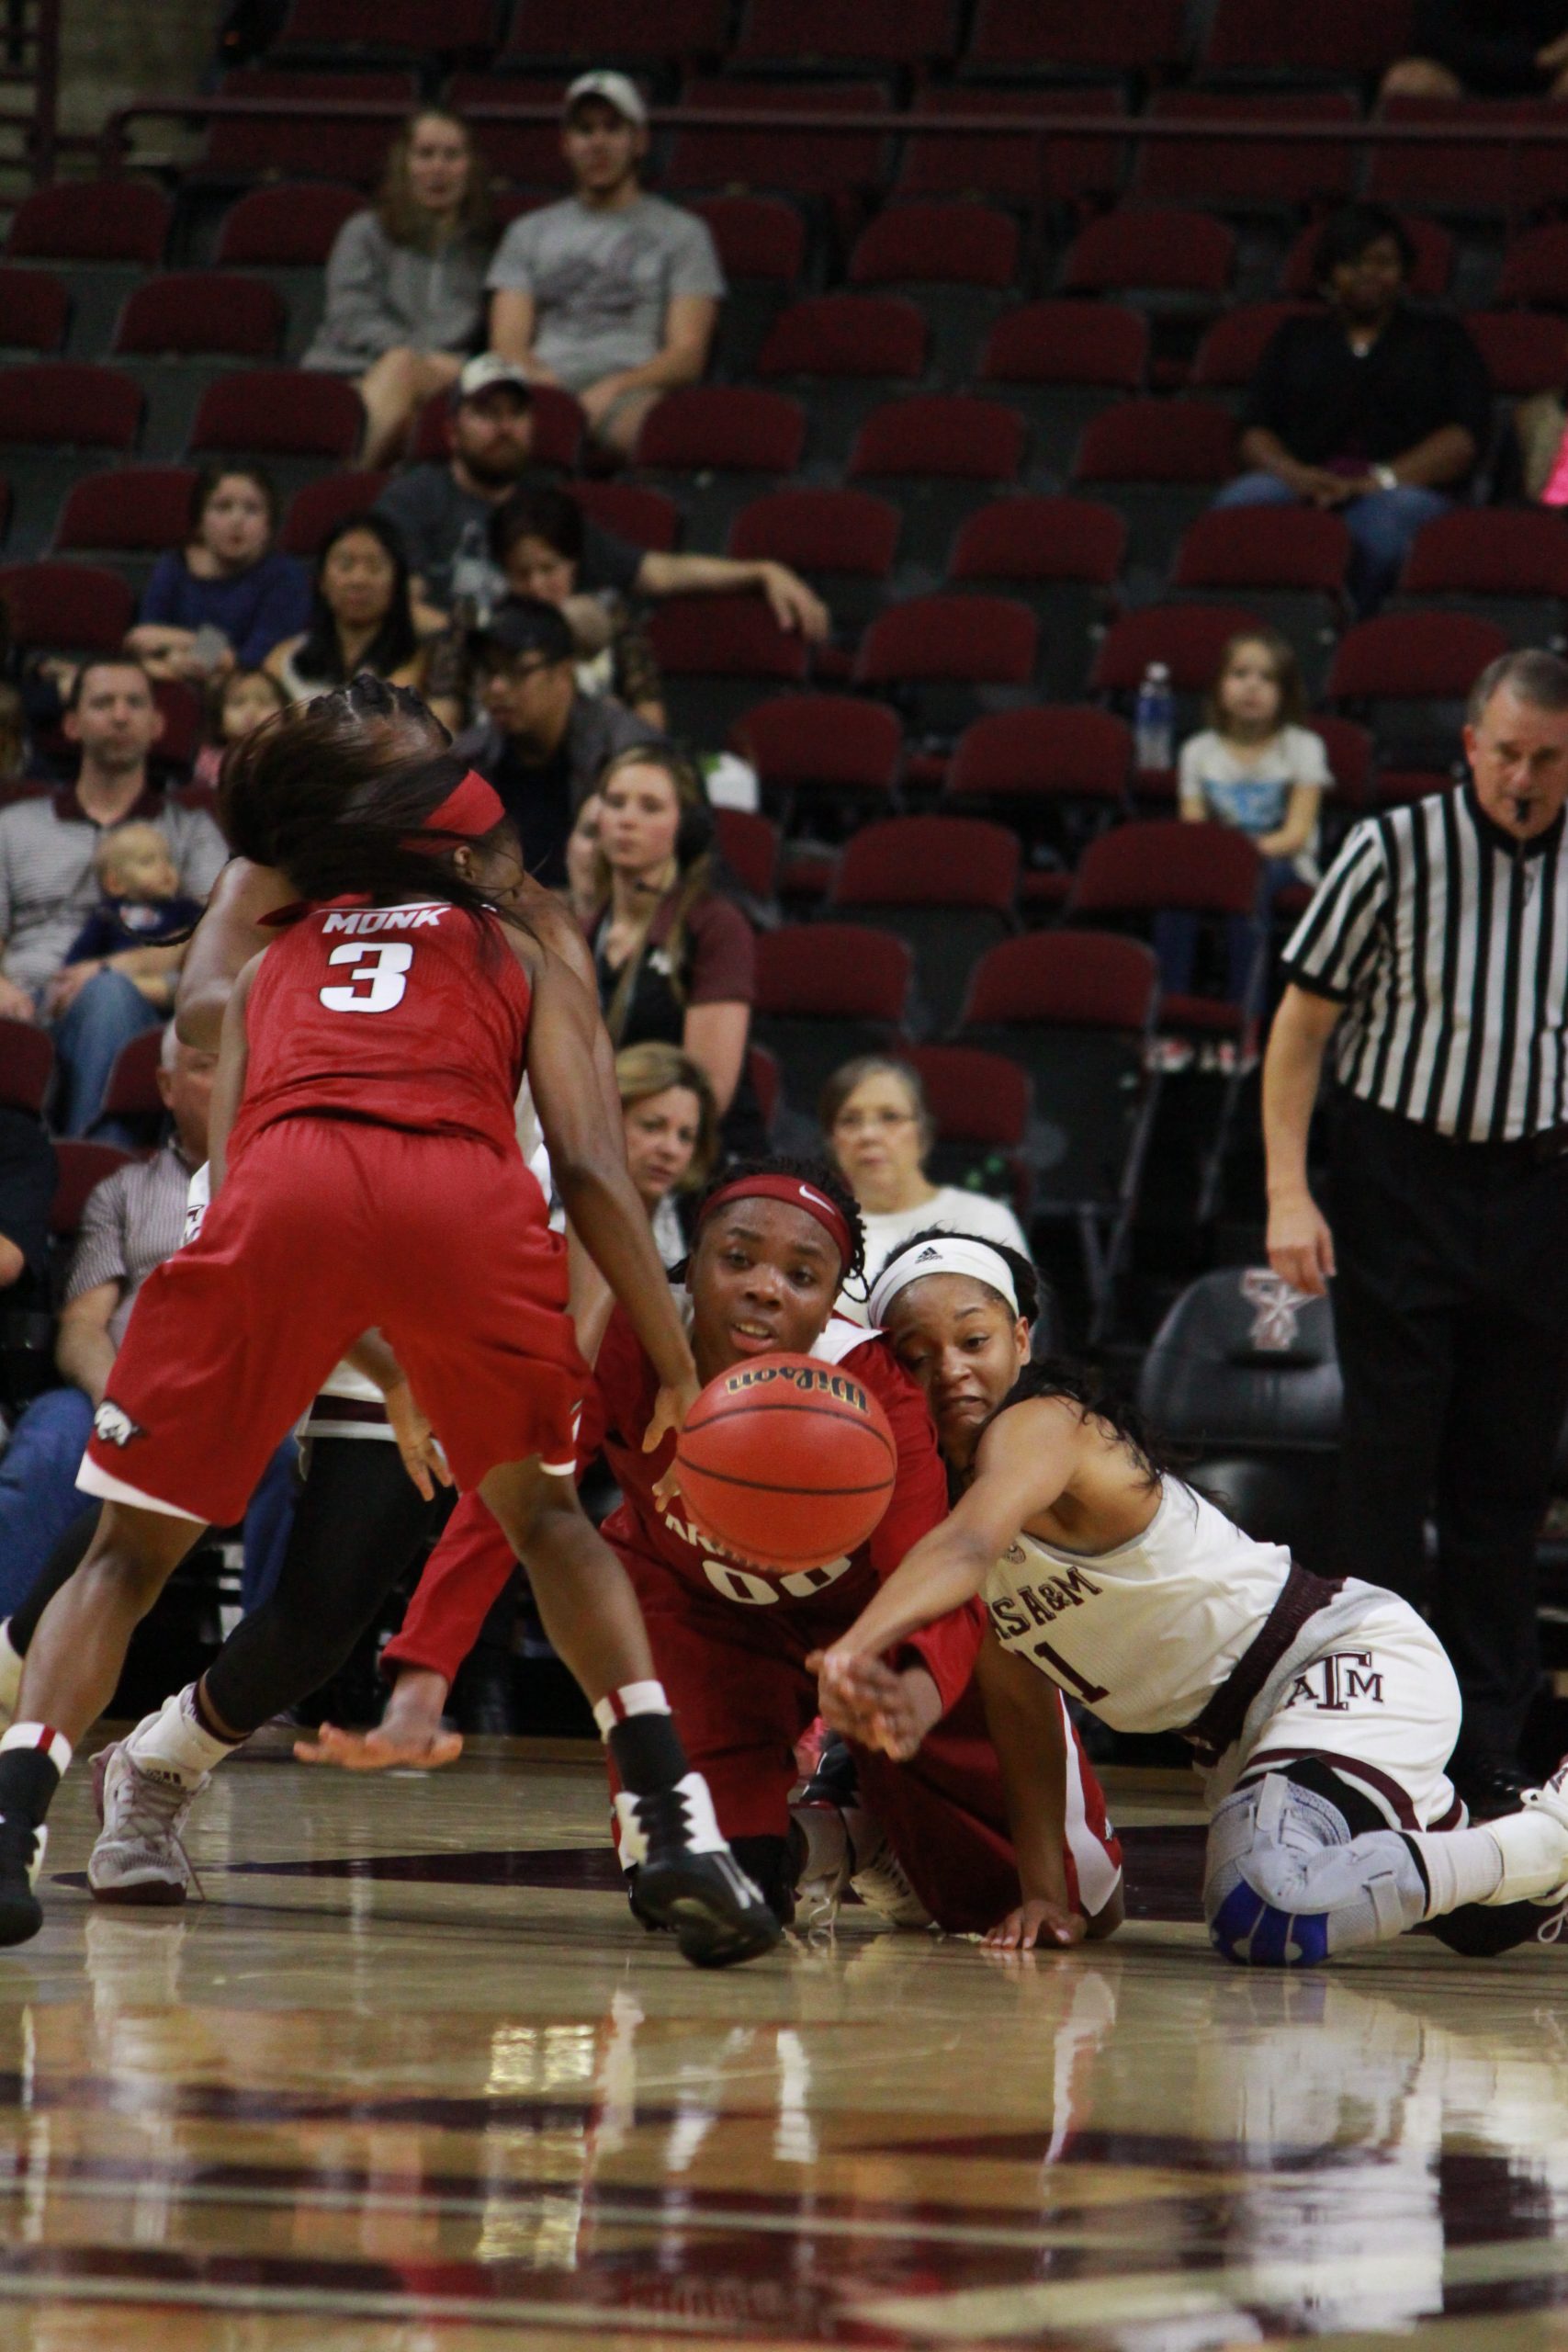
[{"x": 815, "y": 1379}]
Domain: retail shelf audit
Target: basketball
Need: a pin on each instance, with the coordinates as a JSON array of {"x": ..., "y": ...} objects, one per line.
[{"x": 787, "y": 1461}]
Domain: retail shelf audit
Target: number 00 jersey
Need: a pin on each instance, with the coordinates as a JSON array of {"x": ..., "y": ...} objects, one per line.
[
  {"x": 1146, "y": 1634},
  {"x": 411, "y": 1016}
]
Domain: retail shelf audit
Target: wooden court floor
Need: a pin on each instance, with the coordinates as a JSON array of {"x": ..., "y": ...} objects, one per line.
[{"x": 410, "y": 2080}]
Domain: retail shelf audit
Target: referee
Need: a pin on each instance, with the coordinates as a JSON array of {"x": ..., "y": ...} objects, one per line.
[{"x": 1432, "y": 965}]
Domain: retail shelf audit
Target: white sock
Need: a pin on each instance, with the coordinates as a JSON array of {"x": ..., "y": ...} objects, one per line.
[
  {"x": 174, "y": 1745},
  {"x": 631, "y": 1698},
  {"x": 1462, "y": 1866},
  {"x": 10, "y": 1670},
  {"x": 1533, "y": 1847}
]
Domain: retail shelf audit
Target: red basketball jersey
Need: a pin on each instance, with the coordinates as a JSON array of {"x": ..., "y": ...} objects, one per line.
[
  {"x": 617, "y": 1414},
  {"x": 411, "y": 1016}
]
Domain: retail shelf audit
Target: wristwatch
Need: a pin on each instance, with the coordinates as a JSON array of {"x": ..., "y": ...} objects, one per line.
[{"x": 1384, "y": 477}]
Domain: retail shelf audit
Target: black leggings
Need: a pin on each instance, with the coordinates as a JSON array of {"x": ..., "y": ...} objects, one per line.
[{"x": 360, "y": 1525}]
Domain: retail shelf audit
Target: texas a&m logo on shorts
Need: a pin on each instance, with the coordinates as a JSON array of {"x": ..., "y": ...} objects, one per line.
[{"x": 112, "y": 1425}]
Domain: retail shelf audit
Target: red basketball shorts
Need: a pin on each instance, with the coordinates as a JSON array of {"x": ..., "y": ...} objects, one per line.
[{"x": 323, "y": 1229}]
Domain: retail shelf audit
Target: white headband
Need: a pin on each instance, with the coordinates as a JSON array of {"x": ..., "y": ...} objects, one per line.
[{"x": 945, "y": 1253}]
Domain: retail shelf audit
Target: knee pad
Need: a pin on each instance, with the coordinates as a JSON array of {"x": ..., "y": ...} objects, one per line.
[{"x": 1287, "y": 1886}]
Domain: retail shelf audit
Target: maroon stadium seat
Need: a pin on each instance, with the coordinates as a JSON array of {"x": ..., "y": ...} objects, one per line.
[
  {"x": 1121, "y": 36},
  {"x": 724, "y": 428},
  {"x": 180, "y": 705},
  {"x": 1159, "y": 248},
  {"x": 1027, "y": 539},
  {"x": 278, "y": 412},
  {"x": 717, "y": 653},
  {"x": 831, "y": 745},
  {"x": 1230, "y": 354},
  {"x": 846, "y": 334},
  {"x": 1409, "y": 655},
  {"x": 974, "y": 1097},
  {"x": 132, "y": 1090},
  {"x": 57, "y": 404},
  {"x": 811, "y": 33},
  {"x": 1490, "y": 550},
  {"x": 1272, "y": 39},
  {"x": 1535, "y": 267},
  {"x": 1189, "y": 638},
  {"x": 142, "y": 509},
  {"x": 91, "y": 221},
  {"x": 1525, "y": 351},
  {"x": 941, "y": 436},
  {"x": 194, "y": 310},
  {"x": 572, "y": 33},
  {"x": 976, "y": 640},
  {"x": 798, "y": 163},
  {"x": 426, "y": 29},
  {"x": 1068, "y": 343},
  {"x": 66, "y": 607},
  {"x": 819, "y": 530},
  {"x": 317, "y": 507},
  {"x": 645, "y": 516},
  {"x": 1245, "y": 173},
  {"x": 1056, "y": 752},
  {"x": 293, "y": 226},
  {"x": 1428, "y": 281},
  {"x": 290, "y": 143},
  {"x": 1167, "y": 863},
  {"x": 1482, "y": 177},
  {"x": 1349, "y": 750},
  {"x": 1152, "y": 440},
  {"x": 78, "y": 1167},
  {"x": 749, "y": 845},
  {"x": 1008, "y": 166},
  {"x": 946, "y": 884},
  {"x": 826, "y": 991},
  {"x": 1252, "y": 547},
  {"x": 928, "y": 245},
  {"x": 527, "y": 154},
  {"x": 26, "y": 1066},
  {"x": 757, "y": 236},
  {"x": 35, "y": 311}
]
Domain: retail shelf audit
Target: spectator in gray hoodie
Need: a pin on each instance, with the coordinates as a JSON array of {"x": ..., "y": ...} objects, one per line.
[{"x": 406, "y": 282}]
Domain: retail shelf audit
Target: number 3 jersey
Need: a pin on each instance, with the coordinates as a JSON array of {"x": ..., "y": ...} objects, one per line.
[
  {"x": 409, "y": 1016},
  {"x": 1145, "y": 1633}
]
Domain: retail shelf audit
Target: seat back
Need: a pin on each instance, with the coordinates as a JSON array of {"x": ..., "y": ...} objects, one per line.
[{"x": 1243, "y": 1363}]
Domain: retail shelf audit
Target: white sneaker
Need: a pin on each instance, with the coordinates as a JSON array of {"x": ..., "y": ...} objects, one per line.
[
  {"x": 880, "y": 1879},
  {"x": 824, "y": 1876},
  {"x": 1534, "y": 1843},
  {"x": 138, "y": 1856}
]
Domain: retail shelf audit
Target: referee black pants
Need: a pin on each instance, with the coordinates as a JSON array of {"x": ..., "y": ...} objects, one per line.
[{"x": 1450, "y": 1310}]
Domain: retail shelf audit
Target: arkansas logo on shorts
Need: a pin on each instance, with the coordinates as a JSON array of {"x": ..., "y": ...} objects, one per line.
[{"x": 112, "y": 1425}]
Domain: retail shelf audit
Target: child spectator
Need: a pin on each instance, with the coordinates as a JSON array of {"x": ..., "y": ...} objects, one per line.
[
  {"x": 1257, "y": 767},
  {"x": 405, "y": 283},
  {"x": 227, "y": 597},
  {"x": 142, "y": 905},
  {"x": 246, "y": 698}
]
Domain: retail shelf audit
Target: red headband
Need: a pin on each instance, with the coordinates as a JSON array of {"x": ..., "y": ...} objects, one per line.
[
  {"x": 472, "y": 809},
  {"x": 799, "y": 1194}
]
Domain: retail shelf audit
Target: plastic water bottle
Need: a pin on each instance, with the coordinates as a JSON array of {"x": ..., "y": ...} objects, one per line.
[
  {"x": 1154, "y": 720},
  {"x": 470, "y": 584}
]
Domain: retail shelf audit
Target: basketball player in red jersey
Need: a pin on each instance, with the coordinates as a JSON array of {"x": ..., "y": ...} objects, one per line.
[
  {"x": 774, "y": 1244},
  {"x": 362, "y": 1139}
]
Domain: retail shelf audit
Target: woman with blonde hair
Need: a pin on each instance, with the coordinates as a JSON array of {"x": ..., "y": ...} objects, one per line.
[
  {"x": 671, "y": 1130},
  {"x": 676, "y": 958},
  {"x": 405, "y": 281}
]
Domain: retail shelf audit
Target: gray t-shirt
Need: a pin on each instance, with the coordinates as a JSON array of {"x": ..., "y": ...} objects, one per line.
[
  {"x": 47, "y": 888},
  {"x": 380, "y": 295},
  {"x": 430, "y": 510},
  {"x": 1251, "y": 790},
  {"x": 602, "y": 282}
]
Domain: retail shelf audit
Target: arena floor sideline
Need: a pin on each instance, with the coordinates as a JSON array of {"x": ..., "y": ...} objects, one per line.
[{"x": 410, "y": 2080}]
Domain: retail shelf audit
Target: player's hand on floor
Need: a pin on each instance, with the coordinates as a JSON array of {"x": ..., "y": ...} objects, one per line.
[
  {"x": 1039, "y": 1924},
  {"x": 871, "y": 1702},
  {"x": 417, "y": 1442},
  {"x": 380, "y": 1750}
]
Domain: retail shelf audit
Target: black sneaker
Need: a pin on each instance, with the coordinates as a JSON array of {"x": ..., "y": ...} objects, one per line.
[
  {"x": 21, "y": 1859},
  {"x": 687, "y": 1879}
]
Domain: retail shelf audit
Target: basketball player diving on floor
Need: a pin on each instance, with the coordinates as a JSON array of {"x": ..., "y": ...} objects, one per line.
[
  {"x": 774, "y": 1243},
  {"x": 1323, "y": 1712},
  {"x": 366, "y": 1176}
]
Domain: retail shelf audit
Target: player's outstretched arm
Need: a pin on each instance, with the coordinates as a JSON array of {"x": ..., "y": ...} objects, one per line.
[
  {"x": 588, "y": 1159},
  {"x": 1023, "y": 1714},
  {"x": 1023, "y": 1465},
  {"x": 230, "y": 932}
]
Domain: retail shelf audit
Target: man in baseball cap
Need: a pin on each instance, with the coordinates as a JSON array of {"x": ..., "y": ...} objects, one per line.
[{"x": 611, "y": 293}]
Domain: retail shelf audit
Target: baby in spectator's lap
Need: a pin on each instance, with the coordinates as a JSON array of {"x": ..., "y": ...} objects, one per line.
[{"x": 142, "y": 904}]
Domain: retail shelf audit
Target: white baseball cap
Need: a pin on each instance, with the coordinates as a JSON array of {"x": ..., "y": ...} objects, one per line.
[
  {"x": 617, "y": 90},
  {"x": 483, "y": 374}
]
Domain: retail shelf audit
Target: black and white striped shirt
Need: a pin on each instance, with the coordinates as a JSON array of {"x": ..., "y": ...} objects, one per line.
[
  {"x": 132, "y": 1221},
  {"x": 1446, "y": 943}
]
